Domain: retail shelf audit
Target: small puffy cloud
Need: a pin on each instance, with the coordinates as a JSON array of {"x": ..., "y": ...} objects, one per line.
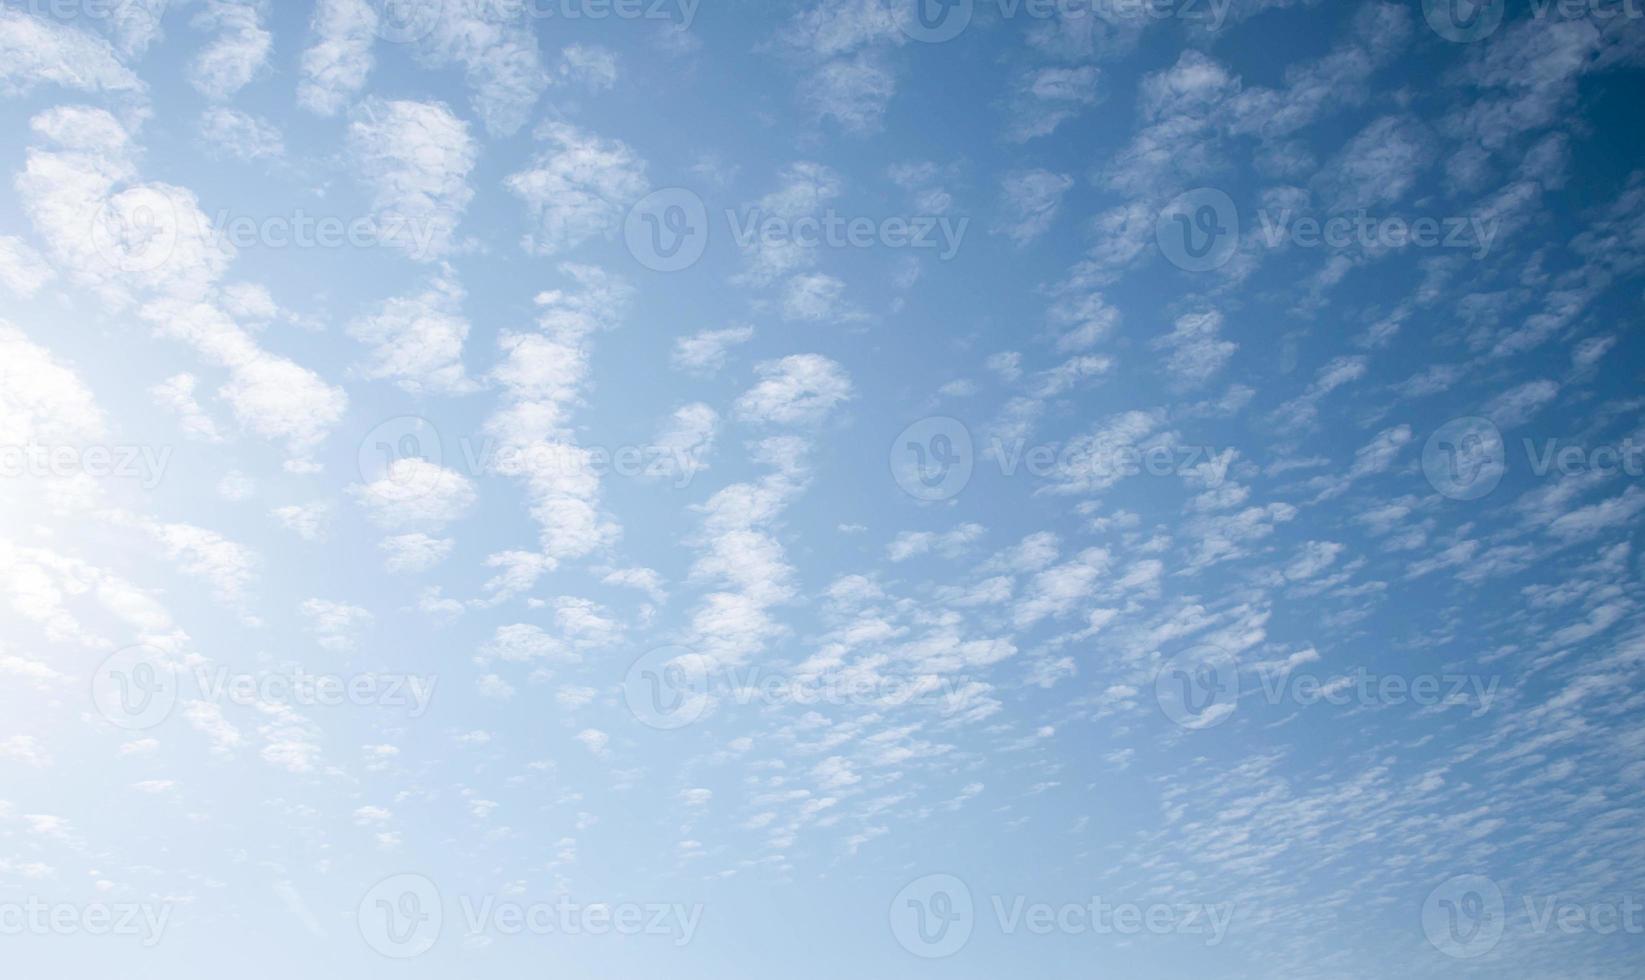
[
  {"x": 578, "y": 188},
  {"x": 414, "y": 552},
  {"x": 334, "y": 624},
  {"x": 238, "y": 135},
  {"x": 1194, "y": 351},
  {"x": 800, "y": 389},
  {"x": 416, "y": 158},
  {"x": 417, "y": 341},
  {"x": 307, "y": 521},
  {"x": 335, "y": 66},
  {"x": 240, "y": 50},
  {"x": 177, "y": 394},
  {"x": 1030, "y": 201},
  {"x": 414, "y": 491},
  {"x": 705, "y": 352}
]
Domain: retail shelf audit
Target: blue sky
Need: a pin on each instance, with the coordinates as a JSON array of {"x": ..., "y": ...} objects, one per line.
[{"x": 740, "y": 489}]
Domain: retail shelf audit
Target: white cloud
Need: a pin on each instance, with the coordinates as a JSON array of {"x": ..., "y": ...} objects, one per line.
[
  {"x": 580, "y": 188},
  {"x": 414, "y": 552},
  {"x": 705, "y": 352},
  {"x": 416, "y": 158},
  {"x": 238, "y": 135},
  {"x": 417, "y": 341},
  {"x": 800, "y": 389},
  {"x": 413, "y": 492},
  {"x": 241, "y": 49},
  {"x": 177, "y": 394},
  {"x": 336, "y": 65},
  {"x": 334, "y": 624}
]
